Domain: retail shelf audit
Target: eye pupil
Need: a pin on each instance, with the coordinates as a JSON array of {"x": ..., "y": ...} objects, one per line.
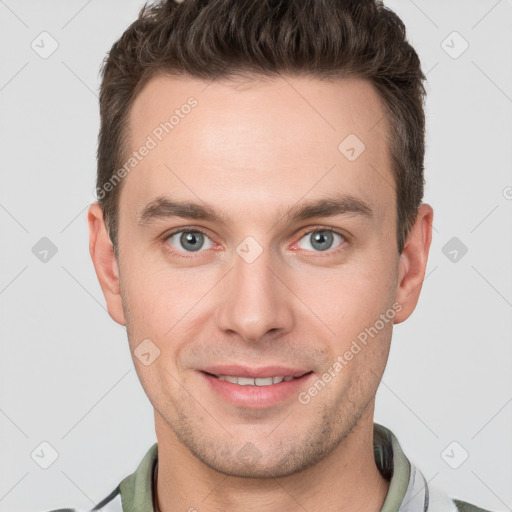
[
  {"x": 192, "y": 239},
  {"x": 321, "y": 237}
]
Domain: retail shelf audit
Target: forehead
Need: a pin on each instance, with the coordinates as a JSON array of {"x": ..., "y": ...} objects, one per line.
[{"x": 220, "y": 140}]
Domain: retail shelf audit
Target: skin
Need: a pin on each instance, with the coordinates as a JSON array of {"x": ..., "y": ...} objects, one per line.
[{"x": 252, "y": 151}]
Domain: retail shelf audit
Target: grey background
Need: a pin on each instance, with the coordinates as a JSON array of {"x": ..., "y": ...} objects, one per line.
[{"x": 66, "y": 373}]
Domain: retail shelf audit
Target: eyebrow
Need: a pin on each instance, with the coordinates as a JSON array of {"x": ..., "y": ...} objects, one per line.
[{"x": 330, "y": 206}]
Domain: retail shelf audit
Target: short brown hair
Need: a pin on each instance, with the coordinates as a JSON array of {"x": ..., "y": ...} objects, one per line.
[{"x": 212, "y": 39}]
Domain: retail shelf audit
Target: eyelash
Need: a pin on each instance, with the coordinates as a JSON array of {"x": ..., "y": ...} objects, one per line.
[{"x": 180, "y": 254}]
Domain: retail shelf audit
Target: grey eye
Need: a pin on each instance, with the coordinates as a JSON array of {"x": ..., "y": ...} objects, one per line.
[
  {"x": 320, "y": 240},
  {"x": 190, "y": 241}
]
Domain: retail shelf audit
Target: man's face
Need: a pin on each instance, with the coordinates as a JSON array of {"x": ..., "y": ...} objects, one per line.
[{"x": 297, "y": 293}]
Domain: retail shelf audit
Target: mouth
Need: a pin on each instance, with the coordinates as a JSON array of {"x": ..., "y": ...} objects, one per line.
[
  {"x": 262, "y": 392},
  {"x": 258, "y": 381}
]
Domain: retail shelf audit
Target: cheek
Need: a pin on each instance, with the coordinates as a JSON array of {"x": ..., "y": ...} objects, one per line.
[
  {"x": 348, "y": 298},
  {"x": 160, "y": 299}
]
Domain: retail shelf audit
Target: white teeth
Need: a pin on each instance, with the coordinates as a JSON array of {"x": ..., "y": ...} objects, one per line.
[
  {"x": 247, "y": 381},
  {"x": 265, "y": 381}
]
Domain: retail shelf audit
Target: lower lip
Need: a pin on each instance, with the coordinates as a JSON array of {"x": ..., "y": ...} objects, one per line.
[{"x": 256, "y": 397}]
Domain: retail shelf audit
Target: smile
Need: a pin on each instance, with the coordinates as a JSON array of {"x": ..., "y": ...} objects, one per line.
[
  {"x": 247, "y": 381},
  {"x": 256, "y": 392}
]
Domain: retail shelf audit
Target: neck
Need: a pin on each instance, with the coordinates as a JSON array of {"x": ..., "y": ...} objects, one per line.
[{"x": 346, "y": 480}]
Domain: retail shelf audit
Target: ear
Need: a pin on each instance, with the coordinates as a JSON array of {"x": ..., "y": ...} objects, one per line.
[
  {"x": 413, "y": 263},
  {"x": 105, "y": 262}
]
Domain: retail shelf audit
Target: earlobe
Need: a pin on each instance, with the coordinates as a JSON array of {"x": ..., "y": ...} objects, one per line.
[
  {"x": 413, "y": 263},
  {"x": 105, "y": 263}
]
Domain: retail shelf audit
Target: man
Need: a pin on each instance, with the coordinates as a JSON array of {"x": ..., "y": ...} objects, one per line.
[{"x": 284, "y": 141}]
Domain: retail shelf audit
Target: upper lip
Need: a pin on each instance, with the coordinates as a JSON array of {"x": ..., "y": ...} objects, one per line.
[{"x": 254, "y": 373}]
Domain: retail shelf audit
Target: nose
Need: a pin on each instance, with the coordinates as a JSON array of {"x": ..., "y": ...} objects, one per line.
[{"x": 254, "y": 302}]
